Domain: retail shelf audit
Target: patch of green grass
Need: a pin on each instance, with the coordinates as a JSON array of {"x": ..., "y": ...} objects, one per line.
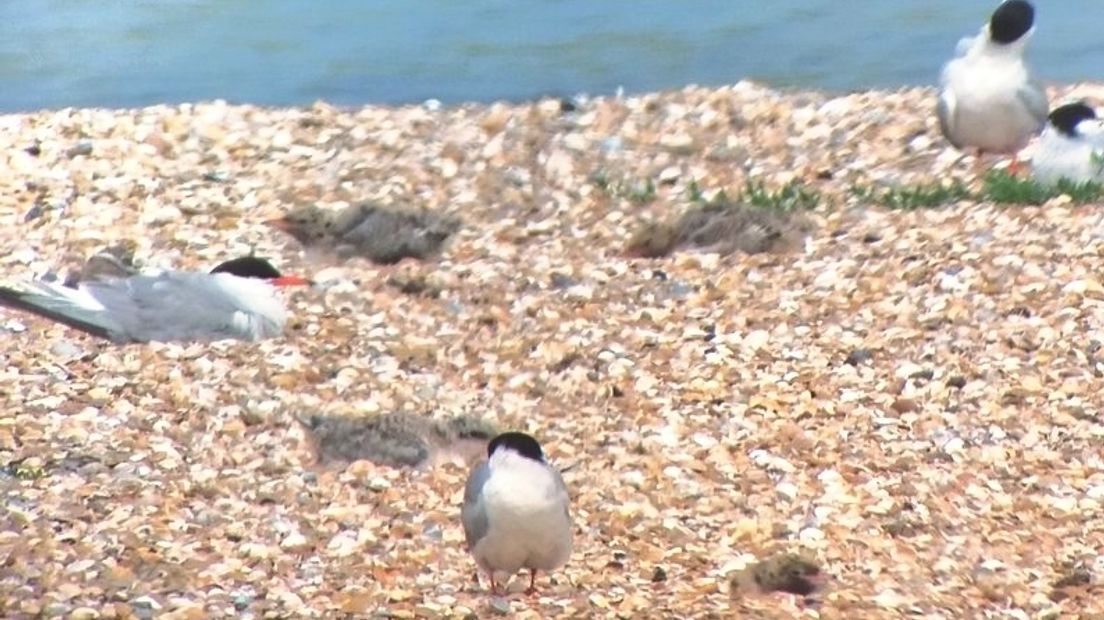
[
  {"x": 1081, "y": 193},
  {"x": 697, "y": 195},
  {"x": 791, "y": 197},
  {"x": 641, "y": 192},
  {"x": 911, "y": 197},
  {"x": 694, "y": 191},
  {"x": 636, "y": 191},
  {"x": 1003, "y": 188},
  {"x": 998, "y": 186},
  {"x": 24, "y": 471},
  {"x": 601, "y": 180},
  {"x": 924, "y": 197}
]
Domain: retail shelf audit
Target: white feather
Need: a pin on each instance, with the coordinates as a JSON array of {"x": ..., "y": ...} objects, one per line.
[
  {"x": 1078, "y": 158},
  {"x": 989, "y": 99},
  {"x": 528, "y": 521}
]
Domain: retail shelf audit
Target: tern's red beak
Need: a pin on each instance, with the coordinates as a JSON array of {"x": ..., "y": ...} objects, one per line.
[
  {"x": 280, "y": 223},
  {"x": 290, "y": 281}
]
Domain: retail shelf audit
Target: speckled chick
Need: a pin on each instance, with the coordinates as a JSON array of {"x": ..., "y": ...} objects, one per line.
[
  {"x": 383, "y": 235},
  {"x": 116, "y": 261},
  {"x": 723, "y": 228},
  {"x": 398, "y": 439},
  {"x": 785, "y": 572}
]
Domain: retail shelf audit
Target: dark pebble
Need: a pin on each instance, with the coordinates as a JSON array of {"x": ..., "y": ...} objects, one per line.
[
  {"x": 560, "y": 280},
  {"x": 84, "y": 147},
  {"x": 925, "y": 374},
  {"x": 859, "y": 356}
]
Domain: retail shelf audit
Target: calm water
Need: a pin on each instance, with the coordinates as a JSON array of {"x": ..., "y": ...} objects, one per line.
[{"x": 56, "y": 53}]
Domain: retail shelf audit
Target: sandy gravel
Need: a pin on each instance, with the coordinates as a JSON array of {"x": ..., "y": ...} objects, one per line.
[{"x": 913, "y": 400}]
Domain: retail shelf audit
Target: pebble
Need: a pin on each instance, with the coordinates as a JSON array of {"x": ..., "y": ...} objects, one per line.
[
  {"x": 145, "y": 606},
  {"x": 499, "y": 605},
  {"x": 82, "y": 148}
]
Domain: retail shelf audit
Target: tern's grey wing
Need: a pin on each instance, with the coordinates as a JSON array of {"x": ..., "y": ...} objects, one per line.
[
  {"x": 945, "y": 109},
  {"x": 1034, "y": 98},
  {"x": 474, "y": 514},
  {"x": 173, "y": 306}
]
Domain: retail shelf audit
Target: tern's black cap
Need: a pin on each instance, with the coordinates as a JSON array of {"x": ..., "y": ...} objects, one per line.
[
  {"x": 521, "y": 443},
  {"x": 1011, "y": 20},
  {"x": 1065, "y": 118},
  {"x": 248, "y": 267}
]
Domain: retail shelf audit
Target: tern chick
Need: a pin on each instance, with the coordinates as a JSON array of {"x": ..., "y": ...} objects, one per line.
[
  {"x": 398, "y": 439},
  {"x": 383, "y": 235}
]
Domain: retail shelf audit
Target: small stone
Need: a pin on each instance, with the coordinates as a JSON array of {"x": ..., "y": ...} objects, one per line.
[
  {"x": 294, "y": 541},
  {"x": 162, "y": 215},
  {"x": 378, "y": 484},
  {"x": 66, "y": 349},
  {"x": 82, "y": 148},
  {"x": 859, "y": 356},
  {"x": 428, "y": 610},
  {"x": 55, "y": 610},
  {"x": 679, "y": 142},
  {"x": 217, "y": 176},
  {"x": 500, "y": 605},
  {"x": 145, "y": 606},
  {"x": 579, "y": 292}
]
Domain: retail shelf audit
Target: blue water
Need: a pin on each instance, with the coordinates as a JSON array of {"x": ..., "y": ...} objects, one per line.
[{"x": 56, "y": 53}]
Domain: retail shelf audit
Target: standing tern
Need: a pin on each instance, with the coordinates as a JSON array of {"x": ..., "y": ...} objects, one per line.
[
  {"x": 515, "y": 511},
  {"x": 988, "y": 99},
  {"x": 236, "y": 300}
]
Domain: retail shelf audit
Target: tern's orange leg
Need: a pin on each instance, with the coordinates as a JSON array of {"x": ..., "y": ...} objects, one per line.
[{"x": 532, "y": 582}]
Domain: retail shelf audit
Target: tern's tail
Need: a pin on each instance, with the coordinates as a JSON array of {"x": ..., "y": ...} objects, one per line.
[{"x": 71, "y": 307}]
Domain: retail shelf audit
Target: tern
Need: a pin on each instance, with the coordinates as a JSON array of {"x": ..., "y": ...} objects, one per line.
[
  {"x": 515, "y": 512},
  {"x": 236, "y": 300},
  {"x": 988, "y": 99},
  {"x": 1071, "y": 147}
]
